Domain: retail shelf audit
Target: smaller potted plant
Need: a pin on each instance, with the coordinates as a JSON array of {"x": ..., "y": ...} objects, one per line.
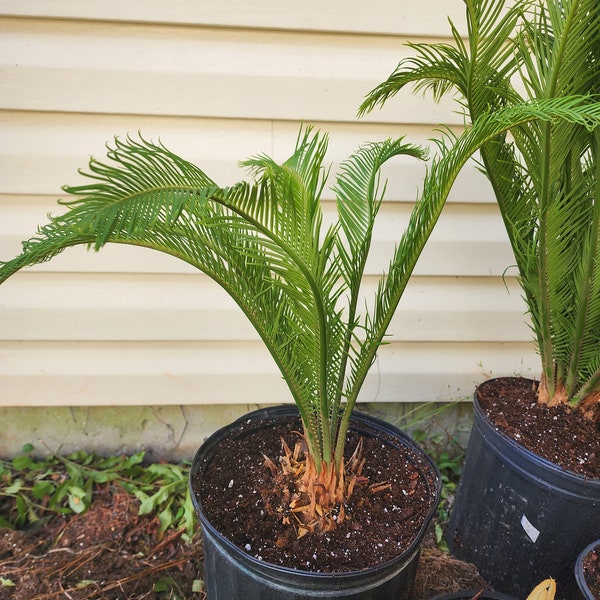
[
  {"x": 522, "y": 465},
  {"x": 299, "y": 283}
]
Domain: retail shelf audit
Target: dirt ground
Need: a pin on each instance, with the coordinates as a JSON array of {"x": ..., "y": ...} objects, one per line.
[{"x": 110, "y": 553}]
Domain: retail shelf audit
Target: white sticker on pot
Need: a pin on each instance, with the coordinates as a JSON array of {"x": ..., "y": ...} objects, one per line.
[{"x": 530, "y": 530}]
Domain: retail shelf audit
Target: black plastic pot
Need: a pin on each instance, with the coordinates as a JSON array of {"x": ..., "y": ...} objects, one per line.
[
  {"x": 230, "y": 573},
  {"x": 468, "y": 594},
  {"x": 579, "y": 572},
  {"x": 518, "y": 517}
]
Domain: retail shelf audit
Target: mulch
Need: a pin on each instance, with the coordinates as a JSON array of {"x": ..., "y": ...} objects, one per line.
[{"x": 110, "y": 552}]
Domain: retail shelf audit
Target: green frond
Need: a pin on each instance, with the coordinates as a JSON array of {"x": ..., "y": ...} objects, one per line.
[
  {"x": 437, "y": 68},
  {"x": 477, "y": 73},
  {"x": 359, "y": 198}
]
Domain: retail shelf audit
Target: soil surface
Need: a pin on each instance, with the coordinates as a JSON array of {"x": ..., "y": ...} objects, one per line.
[
  {"x": 244, "y": 503},
  {"x": 108, "y": 552},
  {"x": 559, "y": 434},
  {"x": 112, "y": 553},
  {"x": 591, "y": 571}
]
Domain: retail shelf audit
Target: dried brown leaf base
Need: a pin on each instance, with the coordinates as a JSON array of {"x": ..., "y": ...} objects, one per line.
[{"x": 312, "y": 500}]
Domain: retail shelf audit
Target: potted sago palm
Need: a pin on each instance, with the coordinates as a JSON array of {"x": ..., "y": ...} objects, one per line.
[
  {"x": 529, "y": 496},
  {"x": 309, "y": 499}
]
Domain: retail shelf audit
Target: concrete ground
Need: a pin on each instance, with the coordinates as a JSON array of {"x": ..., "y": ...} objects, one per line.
[{"x": 175, "y": 432}]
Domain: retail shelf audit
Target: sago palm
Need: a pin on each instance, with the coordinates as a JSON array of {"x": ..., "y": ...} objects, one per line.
[
  {"x": 545, "y": 175},
  {"x": 264, "y": 242}
]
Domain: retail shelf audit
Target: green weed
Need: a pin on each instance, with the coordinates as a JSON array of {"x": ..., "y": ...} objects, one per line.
[{"x": 33, "y": 489}]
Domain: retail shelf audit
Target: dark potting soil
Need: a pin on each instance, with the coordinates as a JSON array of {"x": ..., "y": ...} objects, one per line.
[
  {"x": 559, "y": 434},
  {"x": 591, "y": 571},
  {"x": 240, "y": 500}
]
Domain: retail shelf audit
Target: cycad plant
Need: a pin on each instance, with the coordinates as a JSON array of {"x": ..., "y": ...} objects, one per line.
[
  {"x": 265, "y": 243},
  {"x": 298, "y": 282},
  {"x": 545, "y": 175}
]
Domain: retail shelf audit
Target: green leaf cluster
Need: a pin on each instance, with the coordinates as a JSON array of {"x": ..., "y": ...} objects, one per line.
[
  {"x": 546, "y": 173},
  {"x": 32, "y": 489}
]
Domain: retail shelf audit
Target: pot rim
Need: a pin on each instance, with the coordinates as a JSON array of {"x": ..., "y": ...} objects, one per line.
[{"x": 538, "y": 461}]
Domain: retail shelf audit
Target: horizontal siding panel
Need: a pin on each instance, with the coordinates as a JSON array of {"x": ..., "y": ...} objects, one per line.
[
  {"x": 56, "y": 147},
  {"x": 153, "y": 307},
  {"x": 468, "y": 240},
  {"x": 464, "y": 309},
  {"x": 115, "y": 68},
  {"x": 380, "y": 16},
  {"x": 218, "y": 83},
  {"x": 75, "y": 374}
]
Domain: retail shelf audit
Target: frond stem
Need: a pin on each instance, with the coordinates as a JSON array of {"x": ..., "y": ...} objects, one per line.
[{"x": 324, "y": 444}]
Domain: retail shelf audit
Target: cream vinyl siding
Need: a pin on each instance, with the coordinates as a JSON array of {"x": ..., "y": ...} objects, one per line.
[{"x": 217, "y": 83}]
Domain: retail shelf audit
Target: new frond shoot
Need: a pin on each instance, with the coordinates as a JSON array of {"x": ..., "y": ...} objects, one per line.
[{"x": 546, "y": 176}]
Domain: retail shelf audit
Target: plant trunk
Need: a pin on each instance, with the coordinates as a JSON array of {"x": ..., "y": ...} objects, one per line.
[
  {"x": 589, "y": 405},
  {"x": 325, "y": 492},
  {"x": 317, "y": 504}
]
